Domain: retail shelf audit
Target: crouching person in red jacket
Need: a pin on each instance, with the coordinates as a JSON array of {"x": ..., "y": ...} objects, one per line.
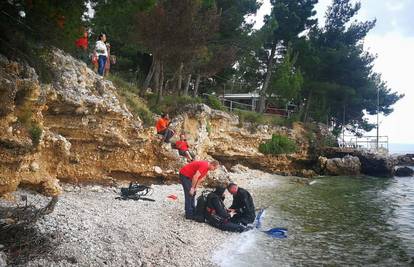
[{"x": 183, "y": 148}]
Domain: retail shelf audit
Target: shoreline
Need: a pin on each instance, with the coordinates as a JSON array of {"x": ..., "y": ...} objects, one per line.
[{"x": 97, "y": 230}]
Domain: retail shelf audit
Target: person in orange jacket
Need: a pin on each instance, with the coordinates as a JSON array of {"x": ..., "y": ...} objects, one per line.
[{"x": 162, "y": 127}]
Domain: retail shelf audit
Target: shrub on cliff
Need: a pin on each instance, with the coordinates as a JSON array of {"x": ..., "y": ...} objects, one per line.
[
  {"x": 251, "y": 117},
  {"x": 214, "y": 103},
  {"x": 279, "y": 144},
  {"x": 172, "y": 104},
  {"x": 35, "y": 133},
  {"x": 129, "y": 94}
]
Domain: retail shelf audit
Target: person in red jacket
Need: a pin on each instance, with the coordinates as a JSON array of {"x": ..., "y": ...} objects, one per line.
[
  {"x": 162, "y": 127},
  {"x": 191, "y": 176},
  {"x": 82, "y": 45},
  {"x": 82, "y": 42},
  {"x": 183, "y": 148}
]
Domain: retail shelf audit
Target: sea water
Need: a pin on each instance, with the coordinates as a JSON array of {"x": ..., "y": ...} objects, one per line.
[
  {"x": 336, "y": 221},
  {"x": 401, "y": 149}
]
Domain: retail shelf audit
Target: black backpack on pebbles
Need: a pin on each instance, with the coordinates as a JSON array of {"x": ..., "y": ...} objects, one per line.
[{"x": 201, "y": 208}]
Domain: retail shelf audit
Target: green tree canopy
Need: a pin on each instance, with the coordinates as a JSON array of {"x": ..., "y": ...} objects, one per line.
[{"x": 339, "y": 82}]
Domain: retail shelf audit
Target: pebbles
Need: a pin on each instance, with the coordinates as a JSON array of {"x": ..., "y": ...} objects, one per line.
[{"x": 98, "y": 230}]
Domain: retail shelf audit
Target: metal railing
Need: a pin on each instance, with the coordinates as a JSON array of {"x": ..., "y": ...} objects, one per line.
[
  {"x": 232, "y": 105},
  {"x": 368, "y": 143}
]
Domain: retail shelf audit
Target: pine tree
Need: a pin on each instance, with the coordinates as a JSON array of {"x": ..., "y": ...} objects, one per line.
[
  {"x": 286, "y": 21},
  {"x": 339, "y": 82}
]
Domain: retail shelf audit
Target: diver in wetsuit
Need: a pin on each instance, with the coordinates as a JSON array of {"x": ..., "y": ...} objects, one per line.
[
  {"x": 242, "y": 205},
  {"x": 217, "y": 214}
]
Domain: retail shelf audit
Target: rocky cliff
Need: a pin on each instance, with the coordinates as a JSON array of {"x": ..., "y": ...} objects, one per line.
[{"x": 75, "y": 129}]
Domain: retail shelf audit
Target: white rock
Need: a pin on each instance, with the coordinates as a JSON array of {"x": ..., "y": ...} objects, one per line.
[
  {"x": 96, "y": 189},
  {"x": 34, "y": 166},
  {"x": 157, "y": 170},
  {"x": 3, "y": 259}
]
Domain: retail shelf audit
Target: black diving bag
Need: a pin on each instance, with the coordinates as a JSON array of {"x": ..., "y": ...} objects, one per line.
[
  {"x": 136, "y": 191},
  {"x": 201, "y": 208}
]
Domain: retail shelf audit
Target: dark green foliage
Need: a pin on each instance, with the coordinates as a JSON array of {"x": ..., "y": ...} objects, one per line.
[
  {"x": 287, "y": 81},
  {"x": 208, "y": 127},
  {"x": 282, "y": 26},
  {"x": 214, "y": 103},
  {"x": 116, "y": 18},
  {"x": 129, "y": 94},
  {"x": 318, "y": 139},
  {"x": 139, "y": 108},
  {"x": 250, "y": 117},
  {"x": 57, "y": 23},
  {"x": 279, "y": 144},
  {"x": 339, "y": 81},
  {"x": 35, "y": 133},
  {"x": 171, "y": 104}
]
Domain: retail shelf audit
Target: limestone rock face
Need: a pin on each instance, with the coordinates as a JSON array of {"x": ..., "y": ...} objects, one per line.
[
  {"x": 217, "y": 134},
  {"x": 74, "y": 129},
  {"x": 21, "y": 145},
  {"x": 347, "y": 165}
]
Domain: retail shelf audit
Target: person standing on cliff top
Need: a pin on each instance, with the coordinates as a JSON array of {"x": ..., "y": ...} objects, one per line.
[
  {"x": 82, "y": 45},
  {"x": 242, "y": 205},
  {"x": 102, "y": 53},
  {"x": 191, "y": 176},
  {"x": 108, "y": 60},
  {"x": 162, "y": 127}
]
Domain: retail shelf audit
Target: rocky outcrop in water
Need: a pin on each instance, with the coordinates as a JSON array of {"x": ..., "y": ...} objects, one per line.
[
  {"x": 371, "y": 164},
  {"x": 348, "y": 165},
  {"x": 406, "y": 160},
  {"x": 404, "y": 172}
]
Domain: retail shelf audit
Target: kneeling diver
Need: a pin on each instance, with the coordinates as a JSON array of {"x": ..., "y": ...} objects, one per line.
[
  {"x": 217, "y": 214},
  {"x": 242, "y": 205}
]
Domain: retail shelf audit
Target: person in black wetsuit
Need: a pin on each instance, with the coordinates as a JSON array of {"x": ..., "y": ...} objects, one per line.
[
  {"x": 242, "y": 205},
  {"x": 217, "y": 214}
]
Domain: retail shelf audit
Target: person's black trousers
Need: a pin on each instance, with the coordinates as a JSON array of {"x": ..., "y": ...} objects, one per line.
[
  {"x": 167, "y": 134},
  {"x": 241, "y": 218},
  {"x": 189, "y": 206}
]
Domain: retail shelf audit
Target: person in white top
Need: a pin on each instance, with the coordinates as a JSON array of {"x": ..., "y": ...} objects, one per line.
[{"x": 102, "y": 53}]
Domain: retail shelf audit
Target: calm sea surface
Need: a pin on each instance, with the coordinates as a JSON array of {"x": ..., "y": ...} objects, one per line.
[{"x": 337, "y": 221}]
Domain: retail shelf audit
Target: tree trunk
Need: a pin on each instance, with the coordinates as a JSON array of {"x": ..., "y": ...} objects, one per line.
[
  {"x": 161, "y": 82},
  {"x": 262, "y": 101},
  {"x": 157, "y": 80},
  {"x": 166, "y": 85},
  {"x": 308, "y": 102},
  {"x": 148, "y": 79},
  {"x": 180, "y": 77},
  {"x": 187, "y": 84},
  {"x": 197, "y": 83}
]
